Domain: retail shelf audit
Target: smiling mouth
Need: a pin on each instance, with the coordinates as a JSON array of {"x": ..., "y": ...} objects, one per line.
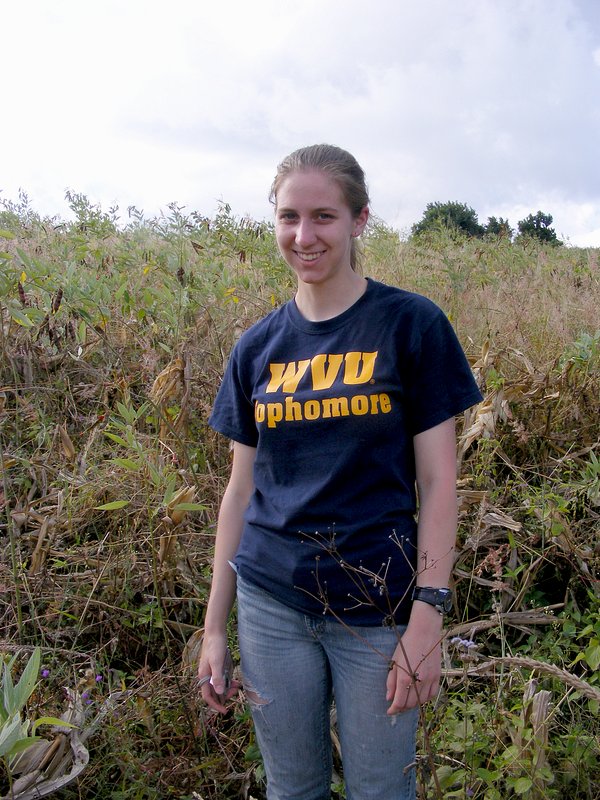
[{"x": 309, "y": 256}]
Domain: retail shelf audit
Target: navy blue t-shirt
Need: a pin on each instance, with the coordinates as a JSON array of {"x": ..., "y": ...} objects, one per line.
[{"x": 332, "y": 408}]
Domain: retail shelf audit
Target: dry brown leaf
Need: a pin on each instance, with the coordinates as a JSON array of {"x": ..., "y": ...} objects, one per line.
[
  {"x": 166, "y": 541},
  {"x": 67, "y": 444},
  {"x": 19, "y": 518},
  {"x": 184, "y": 495},
  {"x": 168, "y": 383},
  {"x": 171, "y": 384},
  {"x": 483, "y": 359},
  {"x": 469, "y": 497},
  {"x": 41, "y": 548},
  {"x": 191, "y": 650},
  {"x": 46, "y": 768},
  {"x": 498, "y": 519},
  {"x": 483, "y": 425}
]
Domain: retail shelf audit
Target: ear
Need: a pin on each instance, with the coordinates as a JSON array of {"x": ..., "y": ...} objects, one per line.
[{"x": 360, "y": 221}]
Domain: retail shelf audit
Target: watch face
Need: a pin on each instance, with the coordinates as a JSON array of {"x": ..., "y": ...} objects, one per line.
[
  {"x": 440, "y": 598},
  {"x": 446, "y": 602}
]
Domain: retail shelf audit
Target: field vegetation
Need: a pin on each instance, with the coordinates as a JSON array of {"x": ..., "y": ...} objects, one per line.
[{"x": 113, "y": 340}]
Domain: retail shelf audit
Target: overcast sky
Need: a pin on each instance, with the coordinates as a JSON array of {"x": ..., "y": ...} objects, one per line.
[{"x": 493, "y": 103}]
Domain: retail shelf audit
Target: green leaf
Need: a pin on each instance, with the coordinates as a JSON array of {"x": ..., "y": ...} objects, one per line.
[
  {"x": 9, "y": 734},
  {"x": 117, "y": 439},
  {"x": 81, "y": 331},
  {"x": 445, "y": 776},
  {"x": 120, "y": 291},
  {"x": 127, "y": 463},
  {"x": 7, "y": 689},
  {"x": 586, "y": 631},
  {"x": 4, "y": 234},
  {"x": 252, "y": 753},
  {"x": 114, "y": 506},
  {"x": 23, "y": 744},
  {"x": 51, "y": 721},
  {"x": 170, "y": 490},
  {"x": 189, "y": 507},
  {"x": 592, "y": 656},
  {"x": 21, "y": 319},
  {"x": 488, "y": 775},
  {"x": 24, "y": 257},
  {"x": 6, "y": 678},
  {"x": 126, "y": 412},
  {"x": 155, "y": 475},
  {"x": 85, "y": 316},
  {"x": 66, "y": 614},
  {"x": 24, "y": 688},
  {"x": 522, "y": 785}
]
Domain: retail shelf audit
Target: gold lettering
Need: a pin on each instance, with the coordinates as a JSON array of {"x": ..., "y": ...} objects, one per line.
[
  {"x": 323, "y": 378},
  {"x": 293, "y": 410},
  {"x": 274, "y": 414},
  {"x": 335, "y": 407},
  {"x": 353, "y": 373},
  {"x": 287, "y": 376},
  {"x": 359, "y": 404},
  {"x": 312, "y": 409},
  {"x": 259, "y": 412}
]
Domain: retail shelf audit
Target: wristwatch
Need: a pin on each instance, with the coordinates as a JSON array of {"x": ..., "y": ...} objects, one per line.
[{"x": 441, "y": 599}]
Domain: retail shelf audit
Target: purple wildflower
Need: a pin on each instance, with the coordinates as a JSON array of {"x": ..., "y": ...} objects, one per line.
[{"x": 468, "y": 644}]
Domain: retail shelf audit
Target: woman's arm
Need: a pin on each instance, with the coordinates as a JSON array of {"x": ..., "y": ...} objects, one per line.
[
  {"x": 416, "y": 677},
  {"x": 222, "y": 593}
]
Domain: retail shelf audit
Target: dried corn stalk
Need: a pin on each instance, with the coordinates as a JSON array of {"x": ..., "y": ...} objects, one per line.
[
  {"x": 172, "y": 385},
  {"x": 49, "y": 765}
]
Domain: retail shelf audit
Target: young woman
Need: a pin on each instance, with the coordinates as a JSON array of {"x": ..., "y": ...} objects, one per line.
[{"x": 341, "y": 408}]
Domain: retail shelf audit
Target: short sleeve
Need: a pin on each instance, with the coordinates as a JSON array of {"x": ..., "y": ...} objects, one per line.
[
  {"x": 233, "y": 409},
  {"x": 441, "y": 384}
]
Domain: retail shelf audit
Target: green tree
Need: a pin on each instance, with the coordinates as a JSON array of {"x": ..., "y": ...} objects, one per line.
[
  {"x": 538, "y": 227},
  {"x": 454, "y": 216},
  {"x": 499, "y": 227}
]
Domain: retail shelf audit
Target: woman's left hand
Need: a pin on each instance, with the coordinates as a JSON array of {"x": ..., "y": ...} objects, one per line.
[{"x": 414, "y": 677}]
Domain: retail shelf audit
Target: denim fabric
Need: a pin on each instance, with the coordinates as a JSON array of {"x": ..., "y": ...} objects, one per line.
[{"x": 293, "y": 665}]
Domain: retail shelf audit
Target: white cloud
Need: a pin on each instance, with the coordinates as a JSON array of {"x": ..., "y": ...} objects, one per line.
[{"x": 143, "y": 103}]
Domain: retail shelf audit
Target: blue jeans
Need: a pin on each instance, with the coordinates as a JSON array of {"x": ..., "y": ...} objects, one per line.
[{"x": 292, "y": 666}]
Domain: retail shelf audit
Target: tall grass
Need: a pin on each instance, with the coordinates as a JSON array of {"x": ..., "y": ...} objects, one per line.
[{"x": 112, "y": 344}]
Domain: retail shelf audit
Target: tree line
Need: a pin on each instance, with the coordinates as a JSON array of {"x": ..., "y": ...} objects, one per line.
[{"x": 461, "y": 217}]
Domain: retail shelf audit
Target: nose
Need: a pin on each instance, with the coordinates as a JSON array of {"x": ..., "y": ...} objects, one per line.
[{"x": 305, "y": 233}]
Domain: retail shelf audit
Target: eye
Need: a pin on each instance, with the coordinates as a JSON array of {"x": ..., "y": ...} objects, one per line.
[
  {"x": 325, "y": 216},
  {"x": 287, "y": 216}
]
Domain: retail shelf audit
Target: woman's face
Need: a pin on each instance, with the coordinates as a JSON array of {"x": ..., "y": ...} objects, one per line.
[{"x": 314, "y": 226}]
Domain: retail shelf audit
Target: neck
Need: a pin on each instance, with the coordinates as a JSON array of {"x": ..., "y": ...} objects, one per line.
[{"x": 318, "y": 303}]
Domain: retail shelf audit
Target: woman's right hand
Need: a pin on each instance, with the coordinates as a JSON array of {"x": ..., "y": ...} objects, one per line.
[
  {"x": 215, "y": 672},
  {"x": 211, "y": 665}
]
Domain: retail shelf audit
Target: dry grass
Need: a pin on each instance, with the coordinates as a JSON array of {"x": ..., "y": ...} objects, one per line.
[{"x": 104, "y": 399}]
